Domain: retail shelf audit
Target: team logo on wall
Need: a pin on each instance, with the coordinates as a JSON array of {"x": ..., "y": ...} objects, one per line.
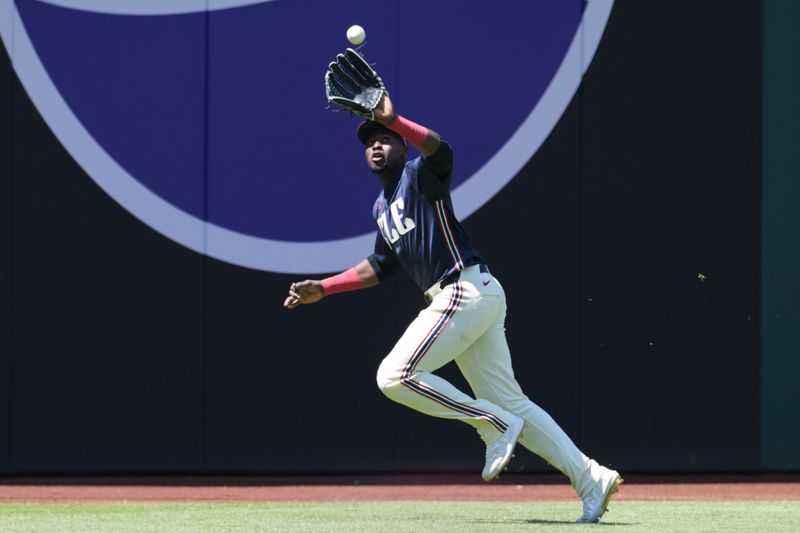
[{"x": 206, "y": 118}]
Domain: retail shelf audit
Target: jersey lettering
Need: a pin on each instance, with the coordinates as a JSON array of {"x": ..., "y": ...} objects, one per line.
[
  {"x": 400, "y": 224},
  {"x": 390, "y": 235}
]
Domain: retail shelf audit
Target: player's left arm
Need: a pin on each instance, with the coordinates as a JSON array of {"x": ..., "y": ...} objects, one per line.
[
  {"x": 436, "y": 168},
  {"x": 353, "y": 84},
  {"x": 424, "y": 139}
]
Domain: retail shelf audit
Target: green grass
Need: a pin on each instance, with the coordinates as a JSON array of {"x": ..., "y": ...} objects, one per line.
[{"x": 396, "y": 517}]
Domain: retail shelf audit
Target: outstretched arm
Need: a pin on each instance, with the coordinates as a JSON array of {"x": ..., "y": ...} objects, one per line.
[
  {"x": 424, "y": 139},
  {"x": 353, "y": 84},
  {"x": 437, "y": 158},
  {"x": 311, "y": 291}
]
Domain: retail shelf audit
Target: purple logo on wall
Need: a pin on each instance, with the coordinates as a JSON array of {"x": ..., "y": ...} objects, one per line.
[{"x": 205, "y": 118}]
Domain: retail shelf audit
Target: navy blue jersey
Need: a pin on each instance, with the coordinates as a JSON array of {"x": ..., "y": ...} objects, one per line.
[{"x": 416, "y": 225}]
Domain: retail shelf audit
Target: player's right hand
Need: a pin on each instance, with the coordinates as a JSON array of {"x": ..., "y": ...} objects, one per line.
[{"x": 304, "y": 292}]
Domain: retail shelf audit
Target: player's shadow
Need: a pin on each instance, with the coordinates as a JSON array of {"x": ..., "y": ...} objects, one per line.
[
  {"x": 572, "y": 522},
  {"x": 542, "y": 521}
]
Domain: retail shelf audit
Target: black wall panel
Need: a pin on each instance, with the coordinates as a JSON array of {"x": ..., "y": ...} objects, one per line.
[
  {"x": 6, "y": 126},
  {"x": 671, "y": 136},
  {"x": 107, "y": 339},
  {"x": 293, "y": 391}
]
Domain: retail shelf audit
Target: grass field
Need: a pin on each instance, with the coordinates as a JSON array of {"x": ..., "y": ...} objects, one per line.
[{"x": 394, "y": 517}]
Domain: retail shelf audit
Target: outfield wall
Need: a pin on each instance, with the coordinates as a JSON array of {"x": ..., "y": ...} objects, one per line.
[
  {"x": 780, "y": 319},
  {"x": 124, "y": 352}
]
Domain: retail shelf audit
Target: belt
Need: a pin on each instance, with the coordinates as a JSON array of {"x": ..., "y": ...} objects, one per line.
[
  {"x": 452, "y": 278},
  {"x": 449, "y": 280}
]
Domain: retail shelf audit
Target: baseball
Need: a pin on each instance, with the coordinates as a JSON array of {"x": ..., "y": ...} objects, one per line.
[{"x": 356, "y": 34}]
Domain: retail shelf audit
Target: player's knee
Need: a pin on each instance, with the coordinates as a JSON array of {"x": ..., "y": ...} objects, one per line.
[{"x": 388, "y": 377}]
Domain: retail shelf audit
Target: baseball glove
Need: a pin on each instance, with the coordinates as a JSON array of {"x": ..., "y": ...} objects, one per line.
[{"x": 353, "y": 85}]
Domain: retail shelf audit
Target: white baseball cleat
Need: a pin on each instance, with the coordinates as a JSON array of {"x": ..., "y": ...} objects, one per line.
[
  {"x": 595, "y": 503},
  {"x": 499, "y": 451}
]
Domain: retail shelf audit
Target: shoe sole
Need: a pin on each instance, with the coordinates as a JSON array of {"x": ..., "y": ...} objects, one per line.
[
  {"x": 509, "y": 455},
  {"x": 613, "y": 489}
]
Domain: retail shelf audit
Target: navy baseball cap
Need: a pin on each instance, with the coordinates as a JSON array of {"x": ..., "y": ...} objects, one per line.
[{"x": 368, "y": 127}]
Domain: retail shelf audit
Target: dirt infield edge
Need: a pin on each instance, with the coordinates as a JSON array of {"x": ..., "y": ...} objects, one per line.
[{"x": 370, "y": 488}]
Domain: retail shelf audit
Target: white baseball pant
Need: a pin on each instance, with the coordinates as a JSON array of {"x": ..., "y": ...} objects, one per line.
[{"x": 465, "y": 322}]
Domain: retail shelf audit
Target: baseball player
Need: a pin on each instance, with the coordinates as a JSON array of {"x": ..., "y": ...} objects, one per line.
[{"x": 465, "y": 315}]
